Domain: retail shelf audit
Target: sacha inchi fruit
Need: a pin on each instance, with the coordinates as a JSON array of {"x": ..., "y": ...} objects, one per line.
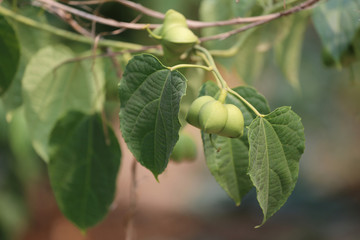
[
  {"x": 234, "y": 126},
  {"x": 194, "y": 110},
  {"x": 174, "y": 34},
  {"x": 185, "y": 148},
  {"x": 213, "y": 116}
]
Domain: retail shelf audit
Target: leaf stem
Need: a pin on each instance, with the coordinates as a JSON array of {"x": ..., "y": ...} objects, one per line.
[
  {"x": 190, "y": 66},
  {"x": 210, "y": 61},
  {"x": 245, "y": 101},
  {"x": 223, "y": 84},
  {"x": 152, "y": 34}
]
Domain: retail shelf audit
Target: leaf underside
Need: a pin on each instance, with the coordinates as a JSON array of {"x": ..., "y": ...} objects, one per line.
[
  {"x": 83, "y": 167},
  {"x": 51, "y": 88}
]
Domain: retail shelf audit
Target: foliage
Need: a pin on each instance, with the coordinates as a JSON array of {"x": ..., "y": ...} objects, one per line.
[{"x": 63, "y": 81}]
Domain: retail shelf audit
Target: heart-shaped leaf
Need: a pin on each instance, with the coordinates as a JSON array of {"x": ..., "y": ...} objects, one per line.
[
  {"x": 276, "y": 145},
  {"x": 84, "y": 163},
  {"x": 150, "y": 97}
]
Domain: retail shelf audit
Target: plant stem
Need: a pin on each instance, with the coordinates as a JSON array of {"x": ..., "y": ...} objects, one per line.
[
  {"x": 190, "y": 66},
  {"x": 223, "y": 82},
  {"x": 245, "y": 101},
  {"x": 66, "y": 34},
  {"x": 220, "y": 80}
]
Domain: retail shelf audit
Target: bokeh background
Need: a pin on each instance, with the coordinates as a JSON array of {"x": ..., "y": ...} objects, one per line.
[{"x": 187, "y": 203}]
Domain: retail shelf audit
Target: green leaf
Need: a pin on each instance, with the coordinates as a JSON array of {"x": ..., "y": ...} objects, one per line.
[
  {"x": 276, "y": 145},
  {"x": 84, "y": 163},
  {"x": 51, "y": 88},
  {"x": 337, "y": 23},
  {"x": 229, "y": 165},
  {"x": 288, "y": 51},
  {"x": 10, "y": 54},
  {"x": 31, "y": 40},
  {"x": 150, "y": 96}
]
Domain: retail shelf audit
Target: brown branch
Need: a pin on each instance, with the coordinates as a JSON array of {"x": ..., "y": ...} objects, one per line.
[
  {"x": 149, "y": 12},
  {"x": 306, "y": 5},
  {"x": 254, "y": 21},
  {"x": 91, "y": 2},
  {"x": 46, "y": 4},
  {"x": 67, "y": 17}
]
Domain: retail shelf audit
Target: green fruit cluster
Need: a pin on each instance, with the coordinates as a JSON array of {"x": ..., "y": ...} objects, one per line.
[
  {"x": 174, "y": 34},
  {"x": 212, "y": 116},
  {"x": 185, "y": 149}
]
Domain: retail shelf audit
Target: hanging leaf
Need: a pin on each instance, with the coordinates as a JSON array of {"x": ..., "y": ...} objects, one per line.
[
  {"x": 150, "y": 97},
  {"x": 229, "y": 165},
  {"x": 83, "y": 166},
  {"x": 337, "y": 23},
  {"x": 51, "y": 88},
  {"x": 288, "y": 51},
  {"x": 276, "y": 145},
  {"x": 10, "y": 55},
  {"x": 30, "y": 40}
]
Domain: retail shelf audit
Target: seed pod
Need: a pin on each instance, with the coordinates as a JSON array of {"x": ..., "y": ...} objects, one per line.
[
  {"x": 185, "y": 148},
  {"x": 174, "y": 34},
  {"x": 173, "y": 19},
  {"x": 212, "y": 117},
  {"x": 178, "y": 39},
  {"x": 194, "y": 110},
  {"x": 234, "y": 126}
]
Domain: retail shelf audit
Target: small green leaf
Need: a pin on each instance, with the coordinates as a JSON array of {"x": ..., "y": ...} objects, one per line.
[
  {"x": 288, "y": 51},
  {"x": 229, "y": 165},
  {"x": 276, "y": 145},
  {"x": 51, "y": 88},
  {"x": 150, "y": 97},
  {"x": 10, "y": 54},
  {"x": 83, "y": 166},
  {"x": 337, "y": 23}
]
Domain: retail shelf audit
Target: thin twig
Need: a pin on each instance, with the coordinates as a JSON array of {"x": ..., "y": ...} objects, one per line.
[
  {"x": 67, "y": 17},
  {"x": 46, "y": 4},
  {"x": 149, "y": 12},
  {"x": 91, "y": 2},
  {"x": 306, "y": 5},
  {"x": 115, "y": 32}
]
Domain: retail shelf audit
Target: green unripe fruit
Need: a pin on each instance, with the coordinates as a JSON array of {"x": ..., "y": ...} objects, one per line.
[
  {"x": 179, "y": 39},
  {"x": 174, "y": 34},
  {"x": 212, "y": 117},
  {"x": 185, "y": 149},
  {"x": 180, "y": 35},
  {"x": 194, "y": 110},
  {"x": 173, "y": 19},
  {"x": 234, "y": 126}
]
